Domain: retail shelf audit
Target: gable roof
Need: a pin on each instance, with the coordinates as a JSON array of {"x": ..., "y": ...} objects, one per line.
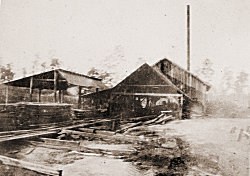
[
  {"x": 181, "y": 68},
  {"x": 77, "y": 79},
  {"x": 144, "y": 77},
  {"x": 147, "y": 75},
  {"x": 44, "y": 80}
]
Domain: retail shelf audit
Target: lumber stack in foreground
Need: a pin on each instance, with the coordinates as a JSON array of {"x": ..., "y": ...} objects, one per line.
[{"x": 20, "y": 115}]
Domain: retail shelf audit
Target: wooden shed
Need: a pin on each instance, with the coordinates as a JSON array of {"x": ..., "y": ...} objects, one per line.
[
  {"x": 142, "y": 90},
  {"x": 57, "y": 80}
]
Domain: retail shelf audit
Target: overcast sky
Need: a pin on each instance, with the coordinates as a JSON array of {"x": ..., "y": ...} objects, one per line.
[{"x": 82, "y": 33}]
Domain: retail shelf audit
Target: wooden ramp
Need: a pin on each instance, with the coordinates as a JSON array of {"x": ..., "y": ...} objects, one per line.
[
  {"x": 29, "y": 134},
  {"x": 47, "y": 130}
]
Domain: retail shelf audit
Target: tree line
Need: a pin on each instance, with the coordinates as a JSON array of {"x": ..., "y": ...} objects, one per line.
[
  {"x": 7, "y": 73},
  {"x": 230, "y": 83}
]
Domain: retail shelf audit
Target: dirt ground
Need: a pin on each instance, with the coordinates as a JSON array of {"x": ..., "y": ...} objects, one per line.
[
  {"x": 214, "y": 140},
  {"x": 80, "y": 164}
]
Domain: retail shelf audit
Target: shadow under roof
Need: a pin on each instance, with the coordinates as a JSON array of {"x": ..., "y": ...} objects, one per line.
[{"x": 66, "y": 79}]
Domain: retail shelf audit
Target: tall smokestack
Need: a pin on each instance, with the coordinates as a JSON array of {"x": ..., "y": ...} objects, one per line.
[{"x": 188, "y": 38}]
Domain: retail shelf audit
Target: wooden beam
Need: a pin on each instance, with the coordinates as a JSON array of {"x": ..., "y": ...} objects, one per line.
[
  {"x": 147, "y": 94},
  {"x": 59, "y": 142},
  {"x": 86, "y": 125},
  {"x": 79, "y": 148},
  {"x": 31, "y": 87},
  {"x": 55, "y": 84},
  {"x": 30, "y": 135},
  {"x": 88, "y": 130},
  {"x": 29, "y": 166},
  {"x": 50, "y": 80},
  {"x": 142, "y": 85},
  {"x": 119, "y": 137}
]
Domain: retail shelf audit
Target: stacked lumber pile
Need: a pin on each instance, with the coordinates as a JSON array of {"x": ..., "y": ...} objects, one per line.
[
  {"x": 83, "y": 114},
  {"x": 45, "y": 113},
  {"x": 106, "y": 130},
  {"x": 19, "y": 115},
  {"x": 8, "y": 117},
  {"x": 89, "y": 113}
]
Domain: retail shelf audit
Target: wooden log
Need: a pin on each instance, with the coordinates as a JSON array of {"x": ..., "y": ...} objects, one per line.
[
  {"x": 30, "y": 135},
  {"x": 81, "y": 149},
  {"x": 30, "y": 166},
  {"x": 88, "y": 130},
  {"x": 241, "y": 133},
  {"x": 160, "y": 119},
  {"x": 103, "y": 132},
  {"x": 3, "y": 133},
  {"x": 130, "y": 126},
  {"x": 65, "y": 143},
  {"x": 141, "y": 118},
  {"x": 140, "y": 123},
  {"x": 138, "y": 128},
  {"x": 152, "y": 121},
  {"x": 164, "y": 119},
  {"x": 84, "y": 125},
  {"x": 116, "y": 137}
]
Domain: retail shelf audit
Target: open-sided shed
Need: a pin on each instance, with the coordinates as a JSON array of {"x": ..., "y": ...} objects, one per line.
[
  {"x": 149, "y": 84},
  {"x": 138, "y": 93},
  {"x": 58, "y": 80}
]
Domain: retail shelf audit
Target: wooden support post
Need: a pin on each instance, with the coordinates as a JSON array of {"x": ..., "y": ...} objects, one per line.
[
  {"x": 7, "y": 94},
  {"x": 60, "y": 95},
  {"x": 31, "y": 87},
  {"x": 55, "y": 84},
  {"x": 63, "y": 93},
  {"x": 39, "y": 95},
  {"x": 181, "y": 100},
  {"x": 79, "y": 97}
]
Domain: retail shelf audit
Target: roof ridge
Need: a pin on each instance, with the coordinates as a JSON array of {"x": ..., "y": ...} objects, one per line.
[
  {"x": 99, "y": 79},
  {"x": 204, "y": 82},
  {"x": 169, "y": 82},
  {"x": 50, "y": 70}
]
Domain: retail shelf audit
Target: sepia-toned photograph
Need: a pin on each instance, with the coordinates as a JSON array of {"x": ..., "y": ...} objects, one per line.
[{"x": 124, "y": 88}]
